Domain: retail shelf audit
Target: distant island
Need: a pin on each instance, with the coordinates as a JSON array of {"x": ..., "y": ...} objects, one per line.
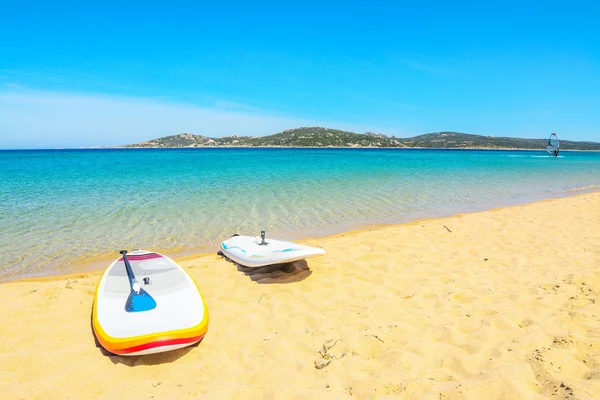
[{"x": 326, "y": 137}]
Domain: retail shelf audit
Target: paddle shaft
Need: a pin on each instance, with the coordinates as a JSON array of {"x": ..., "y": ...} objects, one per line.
[{"x": 130, "y": 275}]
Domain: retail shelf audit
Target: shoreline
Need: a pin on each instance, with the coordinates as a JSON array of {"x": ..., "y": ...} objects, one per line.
[
  {"x": 95, "y": 266},
  {"x": 336, "y": 147},
  {"x": 302, "y": 147}
]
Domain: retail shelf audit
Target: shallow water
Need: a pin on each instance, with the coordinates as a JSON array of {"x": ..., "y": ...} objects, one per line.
[{"x": 59, "y": 209}]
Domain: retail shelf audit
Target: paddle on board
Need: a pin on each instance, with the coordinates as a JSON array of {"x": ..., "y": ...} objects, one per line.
[{"x": 138, "y": 300}]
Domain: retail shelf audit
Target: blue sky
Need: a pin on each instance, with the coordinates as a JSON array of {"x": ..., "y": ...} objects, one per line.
[{"x": 74, "y": 74}]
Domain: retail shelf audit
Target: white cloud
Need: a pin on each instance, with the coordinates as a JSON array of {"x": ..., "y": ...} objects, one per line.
[{"x": 42, "y": 119}]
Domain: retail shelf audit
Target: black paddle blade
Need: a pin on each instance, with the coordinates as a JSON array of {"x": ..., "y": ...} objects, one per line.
[{"x": 139, "y": 301}]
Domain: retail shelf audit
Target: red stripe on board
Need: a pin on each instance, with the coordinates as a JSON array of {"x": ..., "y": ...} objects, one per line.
[
  {"x": 159, "y": 343},
  {"x": 141, "y": 257}
]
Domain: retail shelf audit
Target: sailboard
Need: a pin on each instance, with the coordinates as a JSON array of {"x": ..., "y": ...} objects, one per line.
[{"x": 553, "y": 146}]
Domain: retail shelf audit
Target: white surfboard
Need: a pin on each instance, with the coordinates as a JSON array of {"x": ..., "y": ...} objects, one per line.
[
  {"x": 251, "y": 252},
  {"x": 179, "y": 318}
]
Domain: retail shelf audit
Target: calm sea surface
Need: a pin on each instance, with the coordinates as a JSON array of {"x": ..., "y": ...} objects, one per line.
[{"x": 62, "y": 209}]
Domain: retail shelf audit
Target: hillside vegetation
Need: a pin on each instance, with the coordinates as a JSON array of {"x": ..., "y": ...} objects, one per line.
[{"x": 325, "y": 137}]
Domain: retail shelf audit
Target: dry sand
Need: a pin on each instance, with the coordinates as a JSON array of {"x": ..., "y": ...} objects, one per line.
[{"x": 502, "y": 304}]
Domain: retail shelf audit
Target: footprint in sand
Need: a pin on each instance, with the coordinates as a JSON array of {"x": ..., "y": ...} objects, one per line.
[
  {"x": 500, "y": 323},
  {"x": 525, "y": 323},
  {"x": 464, "y": 297},
  {"x": 562, "y": 342}
]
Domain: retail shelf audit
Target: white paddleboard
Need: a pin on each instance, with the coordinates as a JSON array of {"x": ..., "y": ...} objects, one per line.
[
  {"x": 250, "y": 252},
  {"x": 179, "y": 319}
]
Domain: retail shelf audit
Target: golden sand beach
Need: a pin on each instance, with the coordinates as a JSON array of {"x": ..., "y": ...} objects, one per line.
[{"x": 501, "y": 304}]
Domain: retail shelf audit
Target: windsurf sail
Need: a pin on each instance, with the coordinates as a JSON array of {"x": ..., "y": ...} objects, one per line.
[{"x": 553, "y": 145}]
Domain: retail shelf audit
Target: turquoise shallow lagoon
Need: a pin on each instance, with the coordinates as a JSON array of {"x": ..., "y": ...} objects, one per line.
[{"x": 59, "y": 209}]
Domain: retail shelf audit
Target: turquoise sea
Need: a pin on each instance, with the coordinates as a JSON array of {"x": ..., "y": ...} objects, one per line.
[{"x": 62, "y": 209}]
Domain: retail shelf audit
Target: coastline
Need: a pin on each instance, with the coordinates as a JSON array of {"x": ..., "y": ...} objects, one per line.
[
  {"x": 498, "y": 304},
  {"x": 389, "y": 187},
  {"x": 301, "y": 147},
  {"x": 95, "y": 264},
  {"x": 335, "y": 147}
]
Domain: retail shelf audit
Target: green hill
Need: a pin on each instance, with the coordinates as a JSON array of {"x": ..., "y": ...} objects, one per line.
[
  {"x": 181, "y": 140},
  {"x": 465, "y": 140},
  {"x": 325, "y": 137},
  {"x": 322, "y": 137}
]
